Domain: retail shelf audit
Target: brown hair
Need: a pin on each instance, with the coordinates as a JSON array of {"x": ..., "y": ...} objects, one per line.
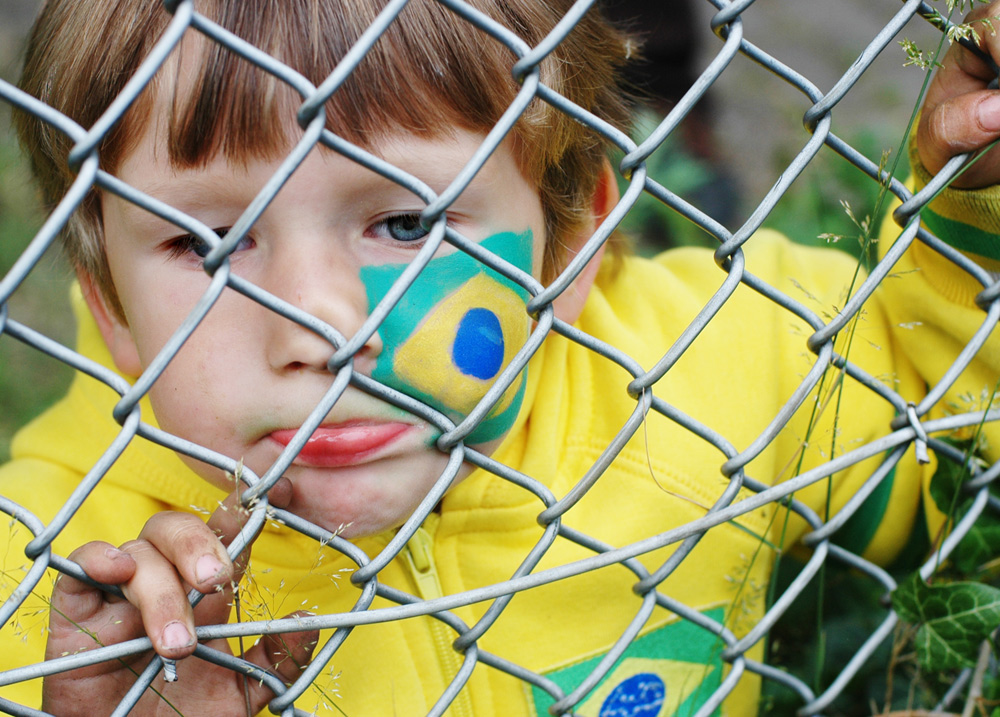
[{"x": 430, "y": 70}]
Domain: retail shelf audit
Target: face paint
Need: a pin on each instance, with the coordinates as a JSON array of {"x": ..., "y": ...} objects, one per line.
[{"x": 455, "y": 329}]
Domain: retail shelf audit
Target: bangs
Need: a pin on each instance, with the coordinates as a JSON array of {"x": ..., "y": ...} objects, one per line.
[{"x": 429, "y": 72}]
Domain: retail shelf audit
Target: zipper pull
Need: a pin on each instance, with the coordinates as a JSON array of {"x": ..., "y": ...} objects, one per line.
[{"x": 419, "y": 556}]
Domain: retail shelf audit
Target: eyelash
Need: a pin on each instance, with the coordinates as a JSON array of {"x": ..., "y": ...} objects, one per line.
[
  {"x": 383, "y": 228},
  {"x": 190, "y": 244}
]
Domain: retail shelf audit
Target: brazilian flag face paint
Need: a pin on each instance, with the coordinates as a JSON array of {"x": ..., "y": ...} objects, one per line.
[{"x": 455, "y": 329}]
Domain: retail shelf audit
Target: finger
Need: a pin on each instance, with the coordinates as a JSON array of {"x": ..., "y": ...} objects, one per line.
[
  {"x": 225, "y": 524},
  {"x": 157, "y": 591},
  {"x": 229, "y": 518},
  {"x": 983, "y": 19},
  {"x": 103, "y": 563},
  {"x": 961, "y": 124},
  {"x": 191, "y": 546},
  {"x": 284, "y": 655},
  {"x": 83, "y": 616},
  {"x": 966, "y": 69},
  {"x": 959, "y": 112}
]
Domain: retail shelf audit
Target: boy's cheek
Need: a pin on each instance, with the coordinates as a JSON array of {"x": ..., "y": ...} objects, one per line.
[{"x": 454, "y": 331}]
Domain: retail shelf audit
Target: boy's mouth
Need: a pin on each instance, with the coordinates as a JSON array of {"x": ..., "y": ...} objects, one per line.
[{"x": 345, "y": 444}]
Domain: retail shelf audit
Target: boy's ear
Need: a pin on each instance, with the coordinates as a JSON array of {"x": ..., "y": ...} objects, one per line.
[
  {"x": 113, "y": 329},
  {"x": 569, "y": 304}
]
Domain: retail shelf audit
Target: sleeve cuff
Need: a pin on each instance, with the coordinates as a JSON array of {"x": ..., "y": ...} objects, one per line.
[{"x": 968, "y": 219}]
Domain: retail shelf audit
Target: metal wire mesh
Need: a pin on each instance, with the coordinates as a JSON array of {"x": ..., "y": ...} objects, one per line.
[{"x": 377, "y": 602}]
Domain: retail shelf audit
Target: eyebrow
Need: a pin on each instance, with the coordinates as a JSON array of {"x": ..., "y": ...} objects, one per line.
[
  {"x": 138, "y": 214},
  {"x": 194, "y": 191}
]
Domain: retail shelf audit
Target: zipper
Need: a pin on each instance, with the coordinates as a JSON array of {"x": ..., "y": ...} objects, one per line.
[{"x": 418, "y": 556}]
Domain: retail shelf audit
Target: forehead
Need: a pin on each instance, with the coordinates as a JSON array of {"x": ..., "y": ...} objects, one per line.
[
  {"x": 436, "y": 158},
  {"x": 420, "y": 166}
]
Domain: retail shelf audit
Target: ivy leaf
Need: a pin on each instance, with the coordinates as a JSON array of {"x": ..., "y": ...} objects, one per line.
[
  {"x": 982, "y": 543},
  {"x": 946, "y": 485},
  {"x": 978, "y": 547},
  {"x": 953, "y": 619}
]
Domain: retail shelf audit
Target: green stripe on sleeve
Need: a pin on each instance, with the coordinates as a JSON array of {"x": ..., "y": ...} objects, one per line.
[
  {"x": 967, "y": 219},
  {"x": 860, "y": 528},
  {"x": 962, "y": 236}
]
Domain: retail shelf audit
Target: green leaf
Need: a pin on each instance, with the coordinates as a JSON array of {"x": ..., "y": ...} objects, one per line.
[
  {"x": 953, "y": 619},
  {"x": 991, "y": 689},
  {"x": 946, "y": 486},
  {"x": 982, "y": 543},
  {"x": 979, "y": 546}
]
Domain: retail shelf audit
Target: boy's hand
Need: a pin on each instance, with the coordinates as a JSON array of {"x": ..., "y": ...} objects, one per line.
[
  {"x": 959, "y": 113},
  {"x": 174, "y": 552}
]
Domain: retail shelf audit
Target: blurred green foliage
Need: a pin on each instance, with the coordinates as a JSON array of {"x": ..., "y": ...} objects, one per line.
[
  {"x": 29, "y": 380},
  {"x": 823, "y": 207}
]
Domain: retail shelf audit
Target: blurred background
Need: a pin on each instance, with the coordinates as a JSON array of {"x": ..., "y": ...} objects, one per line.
[
  {"x": 723, "y": 159},
  {"x": 29, "y": 380}
]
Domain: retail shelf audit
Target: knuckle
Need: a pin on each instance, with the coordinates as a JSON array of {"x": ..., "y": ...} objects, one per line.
[
  {"x": 936, "y": 126},
  {"x": 137, "y": 548},
  {"x": 181, "y": 533},
  {"x": 165, "y": 520},
  {"x": 942, "y": 131}
]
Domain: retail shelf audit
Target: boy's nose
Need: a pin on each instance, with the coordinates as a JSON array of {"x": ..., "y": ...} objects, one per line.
[{"x": 335, "y": 296}]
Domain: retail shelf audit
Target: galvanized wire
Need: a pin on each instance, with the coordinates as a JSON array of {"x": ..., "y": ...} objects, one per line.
[{"x": 914, "y": 427}]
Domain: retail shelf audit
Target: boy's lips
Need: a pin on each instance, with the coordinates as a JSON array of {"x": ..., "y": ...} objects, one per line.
[{"x": 345, "y": 444}]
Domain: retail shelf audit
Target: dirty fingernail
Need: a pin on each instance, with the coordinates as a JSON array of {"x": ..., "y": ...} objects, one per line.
[
  {"x": 207, "y": 568},
  {"x": 175, "y": 635}
]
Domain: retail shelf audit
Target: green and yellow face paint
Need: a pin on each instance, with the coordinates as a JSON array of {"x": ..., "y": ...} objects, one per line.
[{"x": 455, "y": 329}]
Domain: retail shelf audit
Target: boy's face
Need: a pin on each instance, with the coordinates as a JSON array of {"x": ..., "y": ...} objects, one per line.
[{"x": 330, "y": 243}]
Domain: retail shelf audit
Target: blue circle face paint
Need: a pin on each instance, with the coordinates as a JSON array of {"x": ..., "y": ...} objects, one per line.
[
  {"x": 640, "y": 695},
  {"x": 441, "y": 346},
  {"x": 478, "y": 347}
]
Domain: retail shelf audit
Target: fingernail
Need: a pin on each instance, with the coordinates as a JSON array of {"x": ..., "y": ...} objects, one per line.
[
  {"x": 114, "y": 553},
  {"x": 207, "y": 569},
  {"x": 175, "y": 635},
  {"x": 988, "y": 113}
]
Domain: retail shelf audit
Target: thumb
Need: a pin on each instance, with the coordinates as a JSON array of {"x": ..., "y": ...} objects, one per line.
[{"x": 961, "y": 124}]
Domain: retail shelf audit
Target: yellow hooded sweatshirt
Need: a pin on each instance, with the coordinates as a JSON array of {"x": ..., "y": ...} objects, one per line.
[{"x": 733, "y": 380}]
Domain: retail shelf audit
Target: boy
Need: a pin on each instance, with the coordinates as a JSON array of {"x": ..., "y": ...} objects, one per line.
[{"x": 259, "y": 389}]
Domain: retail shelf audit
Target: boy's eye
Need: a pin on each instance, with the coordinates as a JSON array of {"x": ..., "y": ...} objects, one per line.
[
  {"x": 403, "y": 227},
  {"x": 190, "y": 244}
]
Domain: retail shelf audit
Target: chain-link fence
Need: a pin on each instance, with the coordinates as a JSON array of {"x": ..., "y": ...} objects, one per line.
[{"x": 715, "y": 656}]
